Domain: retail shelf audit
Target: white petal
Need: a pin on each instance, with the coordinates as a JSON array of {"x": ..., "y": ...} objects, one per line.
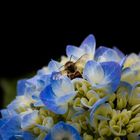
[
  {"x": 62, "y": 87},
  {"x": 93, "y": 72},
  {"x": 109, "y": 55}
]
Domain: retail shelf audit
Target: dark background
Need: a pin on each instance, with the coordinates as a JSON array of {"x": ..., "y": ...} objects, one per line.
[{"x": 31, "y": 38}]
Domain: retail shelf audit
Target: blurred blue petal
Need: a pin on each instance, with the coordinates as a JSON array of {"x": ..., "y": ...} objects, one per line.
[
  {"x": 5, "y": 113},
  {"x": 21, "y": 85},
  {"x": 28, "y": 136},
  {"x": 63, "y": 131},
  {"x": 3, "y": 121},
  {"x": 11, "y": 128}
]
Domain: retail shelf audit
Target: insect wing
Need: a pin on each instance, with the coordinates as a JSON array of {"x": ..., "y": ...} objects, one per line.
[{"x": 82, "y": 61}]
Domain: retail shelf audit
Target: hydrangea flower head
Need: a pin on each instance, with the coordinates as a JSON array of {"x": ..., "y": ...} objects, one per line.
[{"x": 90, "y": 94}]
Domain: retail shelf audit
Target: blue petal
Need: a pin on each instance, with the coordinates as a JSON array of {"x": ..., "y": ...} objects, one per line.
[
  {"x": 32, "y": 87},
  {"x": 100, "y": 51},
  {"x": 5, "y": 113},
  {"x": 62, "y": 86},
  {"x": 53, "y": 66},
  {"x": 75, "y": 52},
  {"x": 38, "y": 82},
  {"x": 112, "y": 73},
  {"x": 21, "y": 86},
  {"x": 29, "y": 120},
  {"x": 47, "y": 94},
  {"x": 28, "y": 136},
  {"x": 24, "y": 136},
  {"x": 49, "y": 99},
  {"x": 57, "y": 109},
  {"x": 120, "y": 54},
  {"x": 93, "y": 72},
  {"x": 13, "y": 106},
  {"x": 3, "y": 121},
  {"x": 123, "y": 61},
  {"x": 65, "y": 98},
  {"x": 109, "y": 55},
  {"x": 96, "y": 105},
  {"x": 63, "y": 131},
  {"x": 89, "y": 44},
  {"x": 45, "y": 79},
  {"x": 10, "y": 128}
]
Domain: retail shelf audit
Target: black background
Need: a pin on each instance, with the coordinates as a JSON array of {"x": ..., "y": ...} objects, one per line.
[
  {"x": 32, "y": 36},
  {"x": 29, "y": 46}
]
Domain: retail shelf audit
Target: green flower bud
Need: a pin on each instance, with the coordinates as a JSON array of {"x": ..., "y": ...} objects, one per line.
[
  {"x": 87, "y": 137},
  {"x": 135, "y": 109}
]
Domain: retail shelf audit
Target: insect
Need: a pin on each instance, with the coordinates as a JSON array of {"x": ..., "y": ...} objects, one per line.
[
  {"x": 34, "y": 107},
  {"x": 74, "y": 69}
]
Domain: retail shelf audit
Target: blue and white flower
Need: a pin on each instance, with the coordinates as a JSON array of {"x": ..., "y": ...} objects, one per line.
[
  {"x": 31, "y": 88},
  {"x": 57, "y": 95},
  {"x": 63, "y": 131},
  {"x": 19, "y": 105},
  {"x": 11, "y": 130},
  {"x": 29, "y": 119},
  {"x": 87, "y": 47},
  {"x": 104, "y": 54},
  {"x": 105, "y": 76}
]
